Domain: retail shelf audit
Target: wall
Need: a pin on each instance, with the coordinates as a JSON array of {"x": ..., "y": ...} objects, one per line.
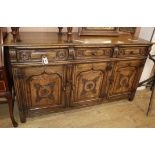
[{"x": 146, "y": 33}]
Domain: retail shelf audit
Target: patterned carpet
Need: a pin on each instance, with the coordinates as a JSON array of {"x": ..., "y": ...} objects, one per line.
[{"x": 118, "y": 114}]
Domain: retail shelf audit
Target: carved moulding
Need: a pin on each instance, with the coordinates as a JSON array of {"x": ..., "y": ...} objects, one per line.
[
  {"x": 99, "y": 31},
  {"x": 106, "y": 31}
]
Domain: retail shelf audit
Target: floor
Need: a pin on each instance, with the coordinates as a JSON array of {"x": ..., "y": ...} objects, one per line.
[{"x": 120, "y": 114}]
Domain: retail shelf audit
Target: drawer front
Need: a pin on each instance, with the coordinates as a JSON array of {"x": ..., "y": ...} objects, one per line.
[
  {"x": 133, "y": 51},
  {"x": 91, "y": 53},
  {"x": 37, "y": 55}
]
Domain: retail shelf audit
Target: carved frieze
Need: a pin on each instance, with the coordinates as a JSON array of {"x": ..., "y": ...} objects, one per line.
[
  {"x": 61, "y": 55},
  {"x": 23, "y": 56},
  {"x": 94, "y": 52},
  {"x": 132, "y": 52},
  {"x": 13, "y": 55},
  {"x": 71, "y": 54}
]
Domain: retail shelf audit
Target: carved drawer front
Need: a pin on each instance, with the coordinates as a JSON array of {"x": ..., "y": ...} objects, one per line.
[
  {"x": 132, "y": 51},
  {"x": 2, "y": 82},
  {"x": 125, "y": 77},
  {"x": 90, "y": 53},
  {"x": 90, "y": 82},
  {"x": 45, "y": 87},
  {"x": 38, "y": 54}
]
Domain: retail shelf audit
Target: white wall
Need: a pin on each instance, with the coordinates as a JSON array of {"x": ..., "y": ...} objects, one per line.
[{"x": 146, "y": 33}]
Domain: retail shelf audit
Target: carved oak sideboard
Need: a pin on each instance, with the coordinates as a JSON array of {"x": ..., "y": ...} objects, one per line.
[{"x": 52, "y": 74}]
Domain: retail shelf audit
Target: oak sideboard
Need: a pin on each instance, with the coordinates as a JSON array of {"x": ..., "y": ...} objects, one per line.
[{"x": 52, "y": 72}]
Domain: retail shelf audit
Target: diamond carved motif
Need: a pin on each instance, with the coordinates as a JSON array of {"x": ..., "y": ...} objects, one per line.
[
  {"x": 45, "y": 91},
  {"x": 89, "y": 86},
  {"x": 124, "y": 81}
]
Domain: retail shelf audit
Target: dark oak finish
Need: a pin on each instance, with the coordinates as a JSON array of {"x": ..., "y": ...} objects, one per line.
[
  {"x": 125, "y": 78},
  {"x": 52, "y": 73},
  {"x": 15, "y": 33},
  {"x": 106, "y": 31},
  {"x": 6, "y": 86},
  {"x": 69, "y": 30},
  {"x": 60, "y": 30},
  {"x": 97, "y": 31}
]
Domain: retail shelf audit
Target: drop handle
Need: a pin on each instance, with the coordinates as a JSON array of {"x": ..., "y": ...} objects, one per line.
[
  {"x": 93, "y": 53},
  {"x": 44, "y": 60}
]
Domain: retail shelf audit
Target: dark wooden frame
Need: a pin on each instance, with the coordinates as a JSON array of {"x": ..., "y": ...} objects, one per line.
[
  {"x": 131, "y": 30},
  {"x": 115, "y": 31},
  {"x": 99, "y": 31},
  {"x": 6, "y": 87}
]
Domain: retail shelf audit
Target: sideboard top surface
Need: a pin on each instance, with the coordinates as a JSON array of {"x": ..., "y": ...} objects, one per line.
[{"x": 31, "y": 39}]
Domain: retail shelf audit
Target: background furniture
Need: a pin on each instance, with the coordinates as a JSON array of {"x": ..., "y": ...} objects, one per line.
[
  {"x": 54, "y": 73},
  {"x": 150, "y": 82},
  {"x": 107, "y": 31},
  {"x": 6, "y": 86},
  {"x": 152, "y": 98}
]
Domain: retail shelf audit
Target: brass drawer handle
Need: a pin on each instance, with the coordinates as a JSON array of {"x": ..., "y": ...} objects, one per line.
[
  {"x": 94, "y": 53},
  {"x": 71, "y": 54},
  {"x": 116, "y": 51},
  {"x": 44, "y": 60}
]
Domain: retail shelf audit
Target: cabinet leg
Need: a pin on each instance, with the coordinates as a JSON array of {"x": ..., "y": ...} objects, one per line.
[
  {"x": 11, "y": 108},
  {"x": 131, "y": 97},
  {"x": 22, "y": 117}
]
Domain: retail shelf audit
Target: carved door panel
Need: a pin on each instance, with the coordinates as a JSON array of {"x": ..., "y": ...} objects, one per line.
[
  {"x": 45, "y": 86},
  {"x": 90, "y": 82},
  {"x": 125, "y": 77}
]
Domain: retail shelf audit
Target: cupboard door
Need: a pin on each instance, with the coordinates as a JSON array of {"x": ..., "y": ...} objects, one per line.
[
  {"x": 125, "y": 77},
  {"x": 42, "y": 87},
  {"x": 45, "y": 90},
  {"x": 90, "y": 82}
]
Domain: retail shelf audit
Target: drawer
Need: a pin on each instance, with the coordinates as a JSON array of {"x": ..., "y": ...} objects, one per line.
[
  {"x": 132, "y": 51},
  {"x": 36, "y": 55},
  {"x": 91, "y": 53}
]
